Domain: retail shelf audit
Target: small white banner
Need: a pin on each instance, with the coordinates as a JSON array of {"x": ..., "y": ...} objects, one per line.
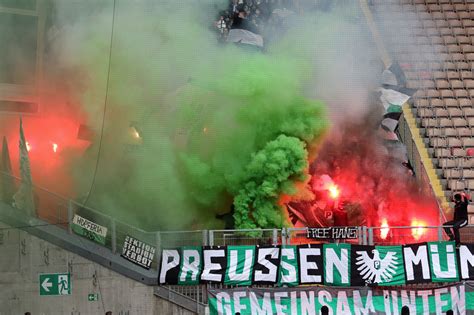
[{"x": 89, "y": 225}]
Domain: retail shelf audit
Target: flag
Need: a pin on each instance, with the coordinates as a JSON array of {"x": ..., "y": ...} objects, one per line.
[
  {"x": 389, "y": 124},
  {"x": 7, "y": 183},
  {"x": 23, "y": 199},
  {"x": 241, "y": 36},
  {"x": 377, "y": 265}
]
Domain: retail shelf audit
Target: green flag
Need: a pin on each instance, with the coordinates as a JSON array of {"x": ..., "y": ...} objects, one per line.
[
  {"x": 7, "y": 182},
  {"x": 23, "y": 199}
]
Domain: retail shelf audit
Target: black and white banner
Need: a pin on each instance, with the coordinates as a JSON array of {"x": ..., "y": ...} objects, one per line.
[
  {"x": 318, "y": 264},
  {"x": 138, "y": 252}
]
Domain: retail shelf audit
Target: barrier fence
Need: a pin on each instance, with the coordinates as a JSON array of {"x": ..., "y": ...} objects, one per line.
[{"x": 60, "y": 211}]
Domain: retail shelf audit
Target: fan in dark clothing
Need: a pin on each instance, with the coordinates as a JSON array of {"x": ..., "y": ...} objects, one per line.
[{"x": 461, "y": 201}]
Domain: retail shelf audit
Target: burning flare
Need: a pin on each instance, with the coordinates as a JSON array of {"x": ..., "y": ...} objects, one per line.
[
  {"x": 55, "y": 147},
  {"x": 385, "y": 229},
  {"x": 418, "y": 230},
  {"x": 333, "y": 191}
]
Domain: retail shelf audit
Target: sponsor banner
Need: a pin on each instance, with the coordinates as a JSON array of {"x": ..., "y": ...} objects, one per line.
[
  {"x": 319, "y": 264},
  {"x": 357, "y": 300},
  {"x": 138, "y": 252},
  {"x": 89, "y": 229}
]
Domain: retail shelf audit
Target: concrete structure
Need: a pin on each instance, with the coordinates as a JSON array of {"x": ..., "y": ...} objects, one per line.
[{"x": 25, "y": 256}]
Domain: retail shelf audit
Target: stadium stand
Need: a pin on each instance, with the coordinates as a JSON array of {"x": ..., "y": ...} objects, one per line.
[{"x": 436, "y": 49}]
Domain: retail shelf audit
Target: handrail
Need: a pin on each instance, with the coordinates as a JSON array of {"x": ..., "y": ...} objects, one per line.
[{"x": 203, "y": 237}]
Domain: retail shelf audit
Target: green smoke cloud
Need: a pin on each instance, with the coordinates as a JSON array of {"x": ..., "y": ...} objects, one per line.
[{"x": 217, "y": 122}]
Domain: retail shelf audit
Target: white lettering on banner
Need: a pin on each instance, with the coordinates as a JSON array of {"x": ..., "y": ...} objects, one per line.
[
  {"x": 409, "y": 301},
  {"x": 308, "y": 305},
  {"x": 411, "y": 259},
  {"x": 89, "y": 225},
  {"x": 266, "y": 308},
  {"x": 450, "y": 258},
  {"x": 188, "y": 266},
  {"x": 324, "y": 297},
  {"x": 395, "y": 302},
  {"x": 138, "y": 252},
  {"x": 272, "y": 274},
  {"x": 341, "y": 264},
  {"x": 305, "y": 265},
  {"x": 233, "y": 262},
  {"x": 465, "y": 258},
  {"x": 342, "y": 303},
  {"x": 238, "y": 307},
  {"x": 167, "y": 264},
  {"x": 223, "y": 304},
  {"x": 209, "y": 266},
  {"x": 438, "y": 302},
  {"x": 359, "y": 307},
  {"x": 294, "y": 305},
  {"x": 290, "y": 277},
  {"x": 280, "y": 308},
  {"x": 458, "y": 301},
  {"x": 386, "y": 302},
  {"x": 424, "y": 297}
]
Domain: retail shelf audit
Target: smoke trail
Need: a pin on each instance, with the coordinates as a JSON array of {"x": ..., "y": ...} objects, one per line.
[{"x": 204, "y": 114}]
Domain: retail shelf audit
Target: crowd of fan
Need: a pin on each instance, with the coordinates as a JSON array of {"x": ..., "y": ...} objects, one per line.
[{"x": 251, "y": 15}]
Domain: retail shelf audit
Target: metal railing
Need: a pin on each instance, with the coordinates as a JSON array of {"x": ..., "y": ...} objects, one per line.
[{"x": 58, "y": 210}]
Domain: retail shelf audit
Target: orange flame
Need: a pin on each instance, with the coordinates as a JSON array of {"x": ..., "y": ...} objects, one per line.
[
  {"x": 418, "y": 231},
  {"x": 385, "y": 229},
  {"x": 333, "y": 191}
]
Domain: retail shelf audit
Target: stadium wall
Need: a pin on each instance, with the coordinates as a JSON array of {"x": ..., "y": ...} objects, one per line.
[{"x": 24, "y": 257}]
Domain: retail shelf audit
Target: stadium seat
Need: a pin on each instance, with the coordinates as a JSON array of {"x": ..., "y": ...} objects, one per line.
[
  {"x": 455, "y": 112},
  {"x": 442, "y": 84},
  {"x": 450, "y": 102},
  {"x": 468, "y": 142},
  {"x": 454, "y": 142},
  {"x": 425, "y": 112},
  {"x": 449, "y": 39},
  {"x": 446, "y": 7},
  {"x": 461, "y": 93},
  {"x": 464, "y": 132},
  {"x": 437, "y": 142},
  {"x": 452, "y": 173},
  {"x": 449, "y": 132},
  {"x": 447, "y": 93},
  {"x": 465, "y": 102},
  {"x": 468, "y": 112},
  {"x": 455, "y": 184},
  {"x": 467, "y": 75},
  {"x": 459, "y": 122},
  {"x": 460, "y": 7},
  {"x": 456, "y": 84},
  {"x": 442, "y": 153}
]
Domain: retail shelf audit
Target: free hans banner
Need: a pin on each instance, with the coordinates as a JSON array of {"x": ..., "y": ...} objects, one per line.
[{"x": 321, "y": 264}]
